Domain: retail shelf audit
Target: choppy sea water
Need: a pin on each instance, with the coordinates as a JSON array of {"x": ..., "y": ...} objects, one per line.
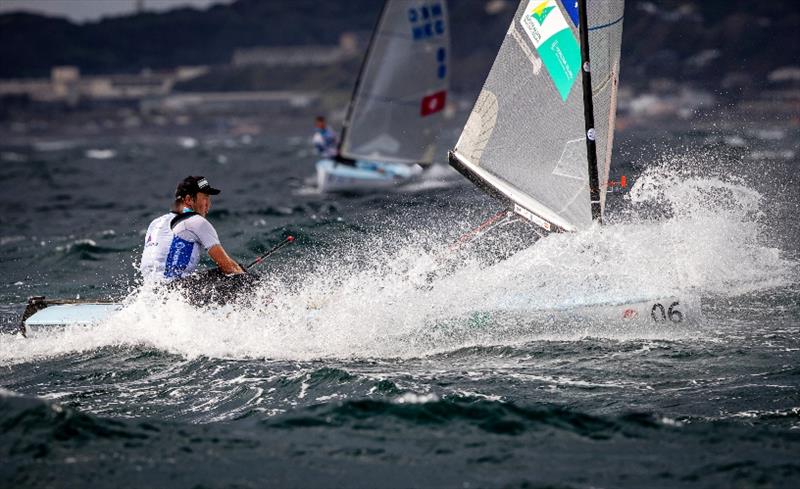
[{"x": 351, "y": 367}]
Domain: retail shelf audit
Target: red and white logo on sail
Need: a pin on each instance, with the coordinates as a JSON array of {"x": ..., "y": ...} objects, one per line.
[{"x": 433, "y": 103}]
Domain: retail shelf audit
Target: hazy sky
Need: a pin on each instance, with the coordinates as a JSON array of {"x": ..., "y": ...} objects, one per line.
[{"x": 83, "y": 10}]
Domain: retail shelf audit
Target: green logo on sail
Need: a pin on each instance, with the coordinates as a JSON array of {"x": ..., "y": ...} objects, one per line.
[
  {"x": 556, "y": 44},
  {"x": 541, "y": 11}
]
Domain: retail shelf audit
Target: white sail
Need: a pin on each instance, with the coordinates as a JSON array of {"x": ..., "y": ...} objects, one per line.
[
  {"x": 525, "y": 139},
  {"x": 398, "y": 104}
]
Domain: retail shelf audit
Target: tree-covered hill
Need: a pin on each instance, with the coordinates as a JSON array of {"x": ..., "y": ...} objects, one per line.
[{"x": 692, "y": 40}]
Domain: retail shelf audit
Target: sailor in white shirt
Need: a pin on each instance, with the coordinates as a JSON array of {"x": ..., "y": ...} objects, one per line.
[{"x": 174, "y": 241}]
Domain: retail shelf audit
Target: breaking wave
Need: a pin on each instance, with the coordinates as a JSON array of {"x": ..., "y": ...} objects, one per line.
[{"x": 681, "y": 234}]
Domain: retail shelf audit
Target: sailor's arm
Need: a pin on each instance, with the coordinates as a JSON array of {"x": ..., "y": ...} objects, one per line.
[
  {"x": 207, "y": 236},
  {"x": 223, "y": 261}
]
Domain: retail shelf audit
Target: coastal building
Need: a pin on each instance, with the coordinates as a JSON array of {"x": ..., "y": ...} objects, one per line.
[
  {"x": 67, "y": 86},
  {"x": 298, "y": 56},
  {"x": 217, "y": 103}
]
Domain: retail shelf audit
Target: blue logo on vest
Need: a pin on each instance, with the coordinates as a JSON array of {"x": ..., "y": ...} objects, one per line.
[{"x": 180, "y": 253}]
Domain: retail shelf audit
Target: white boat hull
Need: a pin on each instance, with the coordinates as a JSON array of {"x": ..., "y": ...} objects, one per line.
[
  {"x": 628, "y": 316},
  {"x": 666, "y": 311},
  {"x": 45, "y": 315},
  {"x": 364, "y": 176}
]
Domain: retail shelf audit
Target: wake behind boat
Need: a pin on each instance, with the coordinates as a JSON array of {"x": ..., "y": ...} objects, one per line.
[{"x": 398, "y": 101}]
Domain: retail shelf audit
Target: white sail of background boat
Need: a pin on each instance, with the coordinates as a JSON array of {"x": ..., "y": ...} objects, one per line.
[
  {"x": 540, "y": 134},
  {"x": 398, "y": 101}
]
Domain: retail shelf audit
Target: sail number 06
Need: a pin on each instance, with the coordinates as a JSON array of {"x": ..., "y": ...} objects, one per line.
[{"x": 672, "y": 313}]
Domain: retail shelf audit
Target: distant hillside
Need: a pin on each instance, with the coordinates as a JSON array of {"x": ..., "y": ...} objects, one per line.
[
  {"x": 696, "y": 40},
  {"x": 31, "y": 44}
]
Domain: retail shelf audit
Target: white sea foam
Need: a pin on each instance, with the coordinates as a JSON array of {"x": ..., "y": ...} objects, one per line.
[
  {"x": 413, "y": 398},
  {"x": 8, "y": 393},
  {"x": 187, "y": 142},
  {"x": 371, "y": 300},
  {"x": 57, "y": 145},
  {"x": 100, "y": 154}
]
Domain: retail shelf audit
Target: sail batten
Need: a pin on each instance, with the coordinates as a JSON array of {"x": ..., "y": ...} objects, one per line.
[
  {"x": 528, "y": 129},
  {"x": 398, "y": 104}
]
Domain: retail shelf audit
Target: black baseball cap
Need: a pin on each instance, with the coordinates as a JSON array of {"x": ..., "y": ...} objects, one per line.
[{"x": 194, "y": 185}]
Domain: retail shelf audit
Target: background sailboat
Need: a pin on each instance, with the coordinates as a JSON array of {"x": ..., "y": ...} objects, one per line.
[{"x": 398, "y": 101}]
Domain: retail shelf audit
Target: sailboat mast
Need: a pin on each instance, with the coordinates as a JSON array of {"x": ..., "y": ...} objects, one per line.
[
  {"x": 588, "y": 113},
  {"x": 346, "y": 122}
]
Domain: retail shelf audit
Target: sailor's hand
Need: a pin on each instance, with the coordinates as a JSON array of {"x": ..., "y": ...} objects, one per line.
[{"x": 225, "y": 262}]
